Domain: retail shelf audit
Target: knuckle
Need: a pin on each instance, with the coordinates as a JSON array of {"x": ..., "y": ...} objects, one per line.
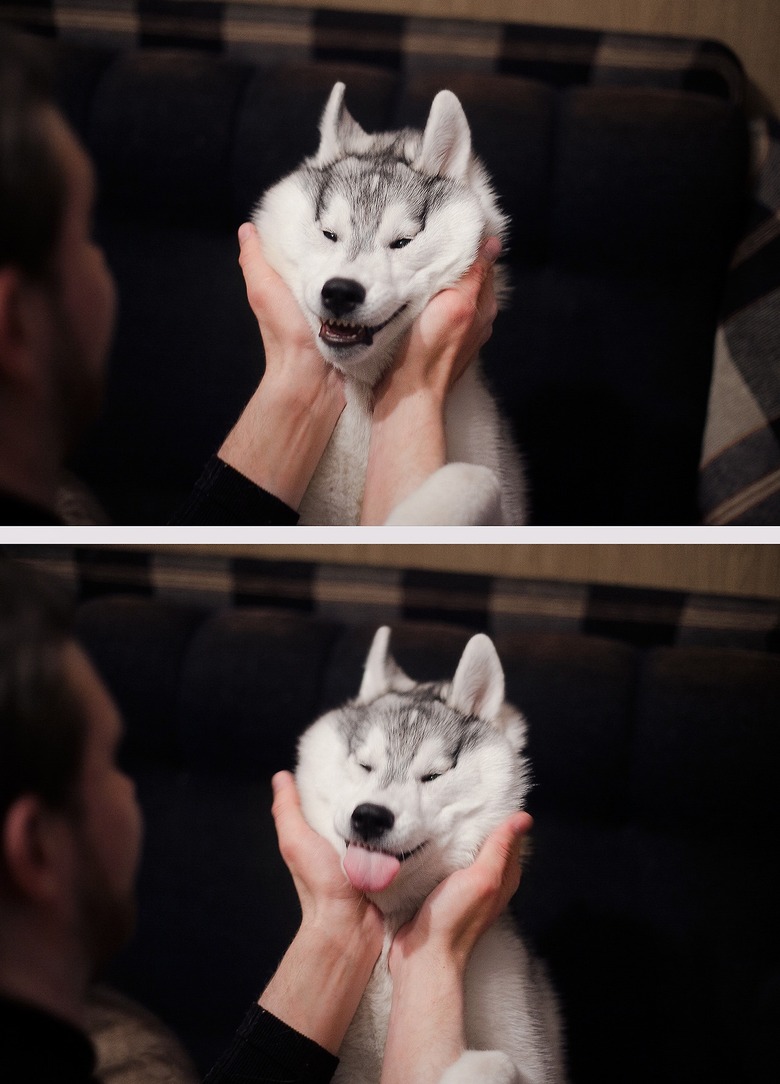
[
  {"x": 463, "y": 311},
  {"x": 488, "y": 884}
]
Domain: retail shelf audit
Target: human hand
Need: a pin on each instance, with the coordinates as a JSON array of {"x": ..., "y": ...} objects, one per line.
[
  {"x": 292, "y": 360},
  {"x": 285, "y": 331},
  {"x": 287, "y": 423},
  {"x": 408, "y": 442},
  {"x": 428, "y": 956},
  {"x": 319, "y": 983},
  {"x": 328, "y": 900},
  {"x": 465, "y": 904},
  {"x": 447, "y": 336}
]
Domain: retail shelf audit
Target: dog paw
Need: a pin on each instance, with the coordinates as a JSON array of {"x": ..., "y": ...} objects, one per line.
[
  {"x": 486, "y": 1066},
  {"x": 456, "y": 495}
]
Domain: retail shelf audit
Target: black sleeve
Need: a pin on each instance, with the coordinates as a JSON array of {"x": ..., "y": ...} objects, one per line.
[
  {"x": 265, "y": 1050},
  {"x": 224, "y": 497}
]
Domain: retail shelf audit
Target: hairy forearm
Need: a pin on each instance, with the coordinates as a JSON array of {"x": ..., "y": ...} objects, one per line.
[
  {"x": 407, "y": 445},
  {"x": 319, "y": 983},
  {"x": 281, "y": 435},
  {"x": 425, "y": 1033}
]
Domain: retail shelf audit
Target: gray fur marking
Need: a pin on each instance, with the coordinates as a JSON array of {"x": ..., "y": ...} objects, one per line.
[
  {"x": 370, "y": 184},
  {"x": 407, "y": 720}
]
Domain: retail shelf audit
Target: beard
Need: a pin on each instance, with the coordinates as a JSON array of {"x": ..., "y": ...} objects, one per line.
[
  {"x": 77, "y": 371},
  {"x": 78, "y": 390},
  {"x": 106, "y": 917}
]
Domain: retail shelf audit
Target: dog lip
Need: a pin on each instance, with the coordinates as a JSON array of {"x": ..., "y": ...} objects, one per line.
[
  {"x": 410, "y": 854},
  {"x": 343, "y": 334},
  {"x": 400, "y": 855}
]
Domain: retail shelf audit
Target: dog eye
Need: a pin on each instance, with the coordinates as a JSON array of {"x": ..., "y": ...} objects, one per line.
[
  {"x": 401, "y": 242},
  {"x": 331, "y": 236},
  {"x": 430, "y": 777},
  {"x": 365, "y": 767}
]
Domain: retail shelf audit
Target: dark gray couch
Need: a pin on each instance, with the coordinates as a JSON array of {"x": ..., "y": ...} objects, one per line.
[
  {"x": 652, "y": 890},
  {"x": 624, "y": 169}
]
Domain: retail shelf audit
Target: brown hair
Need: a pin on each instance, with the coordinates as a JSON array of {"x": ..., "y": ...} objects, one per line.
[
  {"x": 33, "y": 193},
  {"x": 42, "y": 726}
]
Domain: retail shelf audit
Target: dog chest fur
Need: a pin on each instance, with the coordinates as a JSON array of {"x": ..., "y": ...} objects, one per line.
[
  {"x": 335, "y": 494},
  {"x": 504, "y": 1011},
  {"x": 474, "y": 432}
]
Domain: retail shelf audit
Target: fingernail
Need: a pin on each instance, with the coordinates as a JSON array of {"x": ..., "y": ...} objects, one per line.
[
  {"x": 244, "y": 231},
  {"x": 522, "y": 823}
]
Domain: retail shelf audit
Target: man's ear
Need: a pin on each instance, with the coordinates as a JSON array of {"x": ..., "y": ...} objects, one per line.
[{"x": 36, "y": 849}]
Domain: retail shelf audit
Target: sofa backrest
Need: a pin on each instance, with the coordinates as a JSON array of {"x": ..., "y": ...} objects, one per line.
[
  {"x": 622, "y": 162},
  {"x": 652, "y": 887}
]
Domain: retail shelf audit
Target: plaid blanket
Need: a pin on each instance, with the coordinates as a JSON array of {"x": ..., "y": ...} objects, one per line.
[
  {"x": 740, "y": 463},
  {"x": 356, "y": 594}
]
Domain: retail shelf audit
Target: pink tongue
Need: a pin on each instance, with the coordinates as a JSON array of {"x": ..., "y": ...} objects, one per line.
[{"x": 369, "y": 871}]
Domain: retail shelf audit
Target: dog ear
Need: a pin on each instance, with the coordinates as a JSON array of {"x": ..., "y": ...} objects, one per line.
[
  {"x": 478, "y": 685},
  {"x": 382, "y": 673},
  {"x": 337, "y": 128},
  {"x": 446, "y": 147}
]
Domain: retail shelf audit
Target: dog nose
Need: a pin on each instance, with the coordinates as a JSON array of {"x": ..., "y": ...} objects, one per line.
[
  {"x": 371, "y": 821},
  {"x": 341, "y": 296}
]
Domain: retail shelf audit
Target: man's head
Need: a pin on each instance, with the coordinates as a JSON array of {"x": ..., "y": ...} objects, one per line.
[
  {"x": 32, "y": 186},
  {"x": 57, "y": 298},
  {"x": 70, "y": 827}
]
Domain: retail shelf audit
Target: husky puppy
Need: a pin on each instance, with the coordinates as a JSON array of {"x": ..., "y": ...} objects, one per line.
[
  {"x": 407, "y": 781},
  {"x": 364, "y": 233}
]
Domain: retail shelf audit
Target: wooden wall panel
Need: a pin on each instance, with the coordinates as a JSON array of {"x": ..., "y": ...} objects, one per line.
[
  {"x": 750, "y": 27},
  {"x": 741, "y": 570}
]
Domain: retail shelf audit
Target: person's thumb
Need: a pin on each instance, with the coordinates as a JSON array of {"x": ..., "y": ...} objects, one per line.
[
  {"x": 489, "y": 251},
  {"x": 470, "y": 285},
  {"x": 286, "y": 807},
  {"x": 501, "y": 851},
  {"x": 246, "y": 233}
]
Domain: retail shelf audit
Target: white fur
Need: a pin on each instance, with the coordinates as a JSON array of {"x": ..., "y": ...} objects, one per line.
[
  {"x": 366, "y": 214},
  {"x": 354, "y": 755}
]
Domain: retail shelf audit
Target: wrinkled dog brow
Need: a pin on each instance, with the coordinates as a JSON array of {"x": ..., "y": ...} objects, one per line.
[{"x": 406, "y": 722}]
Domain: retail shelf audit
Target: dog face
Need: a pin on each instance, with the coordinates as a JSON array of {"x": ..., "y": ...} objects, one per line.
[
  {"x": 408, "y": 780},
  {"x": 369, "y": 229}
]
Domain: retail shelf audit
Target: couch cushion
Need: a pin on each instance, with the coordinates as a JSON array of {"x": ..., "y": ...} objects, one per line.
[
  {"x": 651, "y": 885},
  {"x": 624, "y": 203},
  {"x": 622, "y": 159}
]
